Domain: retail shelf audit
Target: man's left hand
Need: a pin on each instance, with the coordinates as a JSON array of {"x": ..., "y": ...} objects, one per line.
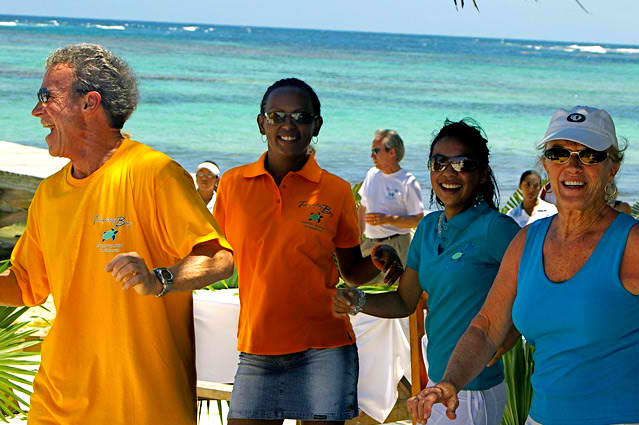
[
  {"x": 131, "y": 270},
  {"x": 377, "y": 219}
]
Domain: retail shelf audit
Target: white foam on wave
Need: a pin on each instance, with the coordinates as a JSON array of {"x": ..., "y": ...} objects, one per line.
[
  {"x": 586, "y": 49},
  {"x": 626, "y": 50},
  {"x": 111, "y": 27},
  {"x": 8, "y": 24},
  {"x": 190, "y": 28},
  {"x": 54, "y": 23}
]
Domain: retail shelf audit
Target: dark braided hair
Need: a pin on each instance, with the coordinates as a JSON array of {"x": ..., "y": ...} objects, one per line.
[
  {"x": 293, "y": 82},
  {"x": 470, "y": 133}
]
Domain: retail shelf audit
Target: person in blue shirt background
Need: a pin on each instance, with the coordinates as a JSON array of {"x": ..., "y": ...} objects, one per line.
[
  {"x": 454, "y": 258},
  {"x": 570, "y": 284}
]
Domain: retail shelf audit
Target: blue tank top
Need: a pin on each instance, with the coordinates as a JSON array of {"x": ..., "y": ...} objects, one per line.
[{"x": 585, "y": 332}]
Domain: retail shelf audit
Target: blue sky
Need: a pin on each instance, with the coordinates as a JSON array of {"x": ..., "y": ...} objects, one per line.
[{"x": 609, "y": 21}]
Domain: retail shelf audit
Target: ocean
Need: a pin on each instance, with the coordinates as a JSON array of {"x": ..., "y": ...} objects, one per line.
[{"x": 201, "y": 86}]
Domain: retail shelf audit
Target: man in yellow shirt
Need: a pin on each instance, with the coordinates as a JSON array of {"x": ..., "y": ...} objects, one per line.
[{"x": 119, "y": 237}]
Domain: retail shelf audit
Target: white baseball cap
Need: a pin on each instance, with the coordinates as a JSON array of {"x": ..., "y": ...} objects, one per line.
[
  {"x": 591, "y": 127},
  {"x": 209, "y": 166}
]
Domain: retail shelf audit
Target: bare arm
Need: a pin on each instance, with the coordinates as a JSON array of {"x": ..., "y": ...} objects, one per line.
[
  {"x": 357, "y": 270},
  {"x": 403, "y": 221},
  {"x": 629, "y": 271},
  {"x": 10, "y": 294},
  {"x": 490, "y": 329},
  {"x": 400, "y": 303},
  {"x": 361, "y": 214},
  {"x": 208, "y": 262}
]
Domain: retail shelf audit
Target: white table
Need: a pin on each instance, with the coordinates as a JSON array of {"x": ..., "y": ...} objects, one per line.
[{"x": 384, "y": 351}]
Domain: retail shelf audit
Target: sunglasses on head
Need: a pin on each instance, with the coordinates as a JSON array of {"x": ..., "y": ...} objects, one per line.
[
  {"x": 43, "y": 95},
  {"x": 279, "y": 117},
  {"x": 586, "y": 156},
  {"x": 460, "y": 164}
]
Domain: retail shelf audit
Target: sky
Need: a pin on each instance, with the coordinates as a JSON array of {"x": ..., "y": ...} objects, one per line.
[{"x": 607, "y": 21}]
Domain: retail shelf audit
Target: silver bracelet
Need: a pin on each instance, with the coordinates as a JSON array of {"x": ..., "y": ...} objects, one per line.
[{"x": 359, "y": 305}]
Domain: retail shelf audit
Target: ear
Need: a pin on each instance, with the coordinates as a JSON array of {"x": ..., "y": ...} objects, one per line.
[
  {"x": 613, "y": 170},
  {"x": 318, "y": 124},
  {"x": 92, "y": 101},
  {"x": 260, "y": 123},
  {"x": 484, "y": 176}
]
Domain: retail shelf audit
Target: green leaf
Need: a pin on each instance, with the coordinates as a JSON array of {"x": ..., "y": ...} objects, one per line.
[{"x": 518, "y": 368}]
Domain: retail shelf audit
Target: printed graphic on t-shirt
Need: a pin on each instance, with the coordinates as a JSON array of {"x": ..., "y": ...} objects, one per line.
[
  {"x": 392, "y": 193},
  {"x": 109, "y": 231}
]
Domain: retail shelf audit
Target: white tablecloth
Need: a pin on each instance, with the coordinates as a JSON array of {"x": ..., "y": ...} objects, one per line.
[{"x": 384, "y": 351}]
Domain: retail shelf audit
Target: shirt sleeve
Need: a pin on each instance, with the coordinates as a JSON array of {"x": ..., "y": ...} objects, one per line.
[
  {"x": 501, "y": 230},
  {"x": 183, "y": 219},
  {"x": 414, "y": 203},
  {"x": 348, "y": 234},
  {"x": 415, "y": 250},
  {"x": 219, "y": 210},
  {"x": 363, "y": 190},
  {"x": 27, "y": 262}
]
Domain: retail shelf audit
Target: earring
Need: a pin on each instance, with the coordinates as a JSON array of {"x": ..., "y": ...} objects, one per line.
[
  {"x": 314, "y": 140},
  {"x": 610, "y": 192},
  {"x": 263, "y": 138}
]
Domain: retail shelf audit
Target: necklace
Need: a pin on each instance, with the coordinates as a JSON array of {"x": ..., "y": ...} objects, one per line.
[{"x": 440, "y": 222}]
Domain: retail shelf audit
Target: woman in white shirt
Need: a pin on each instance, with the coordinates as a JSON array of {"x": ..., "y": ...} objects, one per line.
[{"x": 531, "y": 208}]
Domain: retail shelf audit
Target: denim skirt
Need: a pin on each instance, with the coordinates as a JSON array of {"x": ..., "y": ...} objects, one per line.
[{"x": 319, "y": 384}]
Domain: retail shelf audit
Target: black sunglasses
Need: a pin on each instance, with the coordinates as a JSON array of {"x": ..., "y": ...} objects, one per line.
[
  {"x": 43, "y": 95},
  {"x": 279, "y": 117},
  {"x": 376, "y": 151},
  {"x": 587, "y": 156},
  {"x": 460, "y": 164}
]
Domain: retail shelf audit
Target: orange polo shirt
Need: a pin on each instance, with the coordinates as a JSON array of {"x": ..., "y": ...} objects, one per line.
[{"x": 283, "y": 240}]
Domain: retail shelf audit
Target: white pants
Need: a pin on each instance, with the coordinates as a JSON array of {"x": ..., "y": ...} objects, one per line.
[{"x": 475, "y": 407}]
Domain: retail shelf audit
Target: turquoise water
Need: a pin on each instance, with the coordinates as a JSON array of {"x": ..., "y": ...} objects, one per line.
[{"x": 201, "y": 86}]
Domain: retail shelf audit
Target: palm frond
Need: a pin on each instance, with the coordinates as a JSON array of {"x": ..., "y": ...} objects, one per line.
[
  {"x": 514, "y": 200},
  {"x": 518, "y": 368},
  {"x": 635, "y": 210}
]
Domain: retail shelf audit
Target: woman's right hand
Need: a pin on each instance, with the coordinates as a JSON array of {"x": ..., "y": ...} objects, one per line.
[{"x": 421, "y": 405}]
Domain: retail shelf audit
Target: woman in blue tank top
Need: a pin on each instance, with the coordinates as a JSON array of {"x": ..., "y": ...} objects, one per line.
[
  {"x": 453, "y": 258},
  {"x": 570, "y": 284}
]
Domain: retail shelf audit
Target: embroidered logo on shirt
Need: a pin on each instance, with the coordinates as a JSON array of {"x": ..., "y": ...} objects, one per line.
[
  {"x": 456, "y": 256},
  {"x": 315, "y": 217},
  {"x": 109, "y": 234},
  {"x": 318, "y": 212}
]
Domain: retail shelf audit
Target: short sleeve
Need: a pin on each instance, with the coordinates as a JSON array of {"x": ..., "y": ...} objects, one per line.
[
  {"x": 347, "y": 234},
  {"x": 415, "y": 250},
  {"x": 183, "y": 218},
  {"x": 363, "y": 190},
  {"x": 27, "y": 262},
  {"x": 414, "y": 203},
  {"x": 501, "y": 230}
]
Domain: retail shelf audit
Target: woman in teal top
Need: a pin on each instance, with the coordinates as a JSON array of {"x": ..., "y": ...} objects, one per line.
[
  {"x": 570, "y": 284},
  {"x": 453, "y": 258}
]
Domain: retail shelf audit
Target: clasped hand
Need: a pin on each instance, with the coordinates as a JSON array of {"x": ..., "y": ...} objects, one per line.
[
  {"x": 131, "y": 270},
  {"x": 386, "y": 259},
  {"x": 420, "y": 406}
]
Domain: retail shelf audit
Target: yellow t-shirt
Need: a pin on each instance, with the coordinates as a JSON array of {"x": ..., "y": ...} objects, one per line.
[{"x": 113, "y": 356}]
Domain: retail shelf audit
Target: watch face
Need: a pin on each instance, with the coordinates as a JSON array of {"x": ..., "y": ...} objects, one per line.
[{"x": 167, "y": 276}]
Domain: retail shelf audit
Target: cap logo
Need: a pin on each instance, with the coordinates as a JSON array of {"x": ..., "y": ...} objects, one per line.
[{"x": 576, "y": 118}]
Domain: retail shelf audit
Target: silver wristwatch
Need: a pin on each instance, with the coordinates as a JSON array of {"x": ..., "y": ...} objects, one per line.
[{"x": 165, "y": 277}]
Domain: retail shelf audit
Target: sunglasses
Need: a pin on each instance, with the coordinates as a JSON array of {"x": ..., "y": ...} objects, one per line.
[
  {"x": 587, "y": 156},
  {"x": 297, "y": 117},
  {"x": 43, "y": 95},
  {"x": 460, "y": 164},
  {"x": 376, "y": 151}
]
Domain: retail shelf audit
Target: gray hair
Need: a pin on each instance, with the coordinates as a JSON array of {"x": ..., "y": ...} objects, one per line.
[
  {"x": 98, "y": 69},
  {"x": 391, "y": 140}
]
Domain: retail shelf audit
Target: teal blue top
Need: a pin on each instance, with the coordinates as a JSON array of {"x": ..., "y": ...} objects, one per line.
[
  {"x": 456, "y": 268},
  {"x": 585, "y": 332}
]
